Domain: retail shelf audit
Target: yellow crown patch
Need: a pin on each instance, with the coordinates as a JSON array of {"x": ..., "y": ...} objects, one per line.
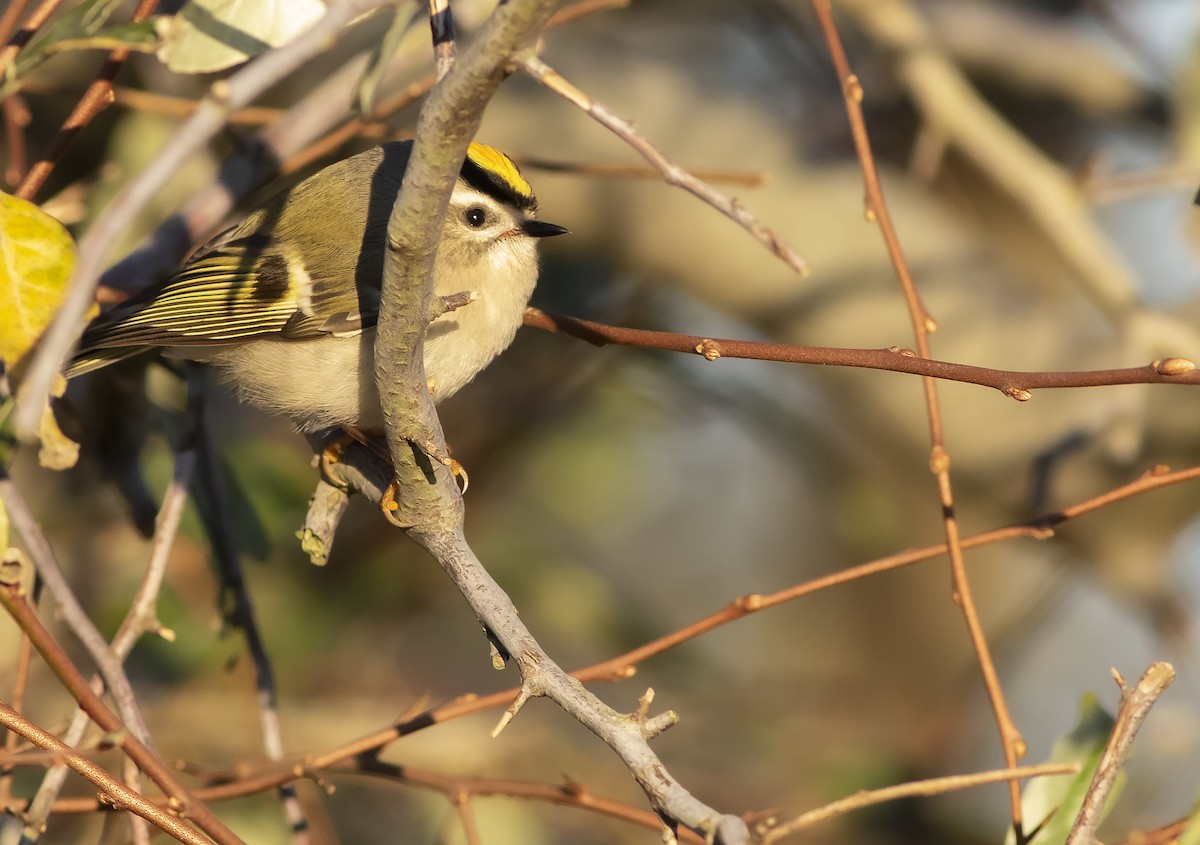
[{"x": 500, "y": 167}]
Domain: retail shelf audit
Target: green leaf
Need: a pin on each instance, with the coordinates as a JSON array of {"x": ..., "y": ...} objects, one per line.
[
  {"x": 211, "y": 35},
  {"x": 79, "y": 22},
  {"x": 36, "y": 258},
  {"x": 1054, "y": 802}
]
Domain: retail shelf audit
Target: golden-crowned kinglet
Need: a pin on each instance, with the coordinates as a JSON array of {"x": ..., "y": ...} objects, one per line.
[{"x": 285, "y": 303}]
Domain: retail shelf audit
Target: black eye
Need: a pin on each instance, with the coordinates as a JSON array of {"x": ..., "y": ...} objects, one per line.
[{"x": 475, "y": 216}]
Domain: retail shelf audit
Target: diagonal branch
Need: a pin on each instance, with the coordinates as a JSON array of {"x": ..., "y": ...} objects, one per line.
[
  {"x": 671, "y": 172},
  {"x": 429, "y": 500}
]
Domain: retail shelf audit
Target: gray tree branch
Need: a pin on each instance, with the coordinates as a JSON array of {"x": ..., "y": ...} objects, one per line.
[{"x": 428, "y": 497}]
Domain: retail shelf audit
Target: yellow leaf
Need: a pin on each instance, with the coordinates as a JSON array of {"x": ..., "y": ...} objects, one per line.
[{"x": 36, "y": 258}]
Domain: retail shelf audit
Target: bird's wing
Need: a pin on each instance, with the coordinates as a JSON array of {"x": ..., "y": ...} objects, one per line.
[{"x": 239, "y": 290}]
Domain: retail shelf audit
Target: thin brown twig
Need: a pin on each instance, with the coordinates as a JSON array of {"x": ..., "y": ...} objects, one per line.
[
  {"x": 1015, "y": 384},
  {"x": 939, "y": 460},
  {"x": 239, "y": 782},
  {"x": 8, "y": 19},
  {"x": 920, "y": 788},
  {"x": 20, "y": 682},
  {"x": 582, "y": 8},
  {"x": 95, "y": 99},
  {"x": 37, "y": 18},
  {"x": 1041, "y": 528},
  {"x": 16, "y": 119},
  {"x": 671, "y": 172},
  {"x": 466, "y": 818},
  {"x": 1135, "y": 706},
  {"x": 117, "y": 794}
]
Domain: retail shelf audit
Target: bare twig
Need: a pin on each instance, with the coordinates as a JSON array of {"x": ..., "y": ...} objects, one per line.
[
  {"x": 939, "y": 459},
  {"x": 1167, "y": 834},
  {"x": 931, "y": 786},
  {"x": 159, "y": 103},
  {"x": 1041, "y": 528},
  {"x": 1135, "y": 705},
  {"x": 1012, "y": 383},
  {"x": 20, "y": 685},
  {"x": 8, "y": 19},
  {"x": 671, "y": 172},
  {"x": 16, "y": 118},
  {"x": 20, "y": 38},
  {"x": 568, "y": 794},
  {"x": 325, "y": 510},
  {"x": 584, "y": 7}
]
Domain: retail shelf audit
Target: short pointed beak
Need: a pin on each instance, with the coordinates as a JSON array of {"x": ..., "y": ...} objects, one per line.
[{"x": 538, "y": 229}]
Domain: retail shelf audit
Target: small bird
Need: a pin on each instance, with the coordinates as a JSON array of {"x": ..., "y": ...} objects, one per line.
[{"x": 285, "y": 303}]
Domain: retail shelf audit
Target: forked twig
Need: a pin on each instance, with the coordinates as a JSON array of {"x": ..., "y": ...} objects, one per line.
[{"x": 1135, "y": 705}]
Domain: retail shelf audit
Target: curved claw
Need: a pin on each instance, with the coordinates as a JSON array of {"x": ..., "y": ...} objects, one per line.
[
  {"x": 389, "y": 506},
  {"x": 331, "y": 455},
  {"x": 460, "y": 475}
]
